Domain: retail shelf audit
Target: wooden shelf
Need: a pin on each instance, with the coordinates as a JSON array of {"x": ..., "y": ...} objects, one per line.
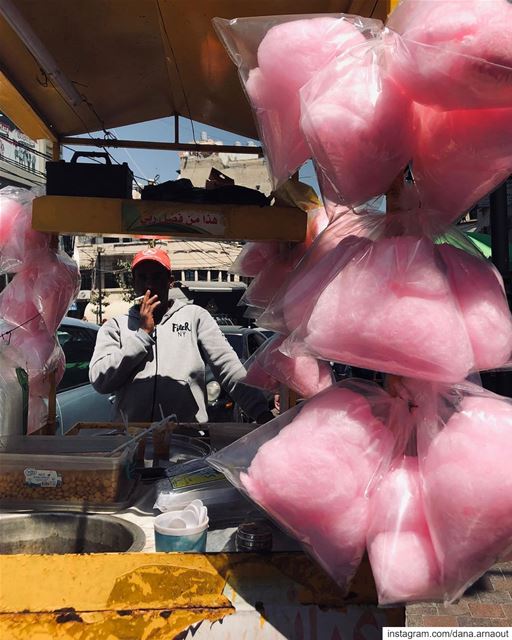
[{"x": 115, "y": 217}]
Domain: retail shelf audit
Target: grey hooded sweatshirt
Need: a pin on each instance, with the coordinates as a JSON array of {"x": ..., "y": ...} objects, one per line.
[{"x": 167, "y": 368}]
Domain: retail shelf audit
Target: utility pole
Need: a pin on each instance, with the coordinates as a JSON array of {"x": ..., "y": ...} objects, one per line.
[{"x": 99, "y": 275}]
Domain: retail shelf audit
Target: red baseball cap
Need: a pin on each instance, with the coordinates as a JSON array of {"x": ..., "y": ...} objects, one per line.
[{"x": 156, "y": 255}]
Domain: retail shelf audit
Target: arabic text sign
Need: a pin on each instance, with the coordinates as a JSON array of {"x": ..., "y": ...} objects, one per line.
[{"x": 147, "y": 217}]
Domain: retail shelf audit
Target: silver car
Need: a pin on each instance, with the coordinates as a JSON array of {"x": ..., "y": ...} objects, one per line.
[{"x": 77, "y": 401}]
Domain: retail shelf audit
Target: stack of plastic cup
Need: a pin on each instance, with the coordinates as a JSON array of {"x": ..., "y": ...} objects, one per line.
[{"x": 182, "y": 530}]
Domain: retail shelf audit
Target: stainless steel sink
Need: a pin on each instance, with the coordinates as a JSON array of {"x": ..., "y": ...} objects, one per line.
[{"x": 55, "y": 532}]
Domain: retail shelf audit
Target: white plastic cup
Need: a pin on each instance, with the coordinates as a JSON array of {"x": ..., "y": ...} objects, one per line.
[{"x": 167, "y": 538}]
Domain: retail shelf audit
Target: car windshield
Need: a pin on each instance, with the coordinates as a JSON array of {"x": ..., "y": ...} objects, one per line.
[{"x": 236, "y": 341}]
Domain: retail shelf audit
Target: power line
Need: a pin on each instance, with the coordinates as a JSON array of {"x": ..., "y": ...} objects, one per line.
[{"x": 22, "y": 145}]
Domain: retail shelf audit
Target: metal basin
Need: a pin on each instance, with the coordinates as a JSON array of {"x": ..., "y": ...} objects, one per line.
[{"x": 43, "y": 533}]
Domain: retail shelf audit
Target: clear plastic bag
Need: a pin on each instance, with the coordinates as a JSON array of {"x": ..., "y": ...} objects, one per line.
[
  {"x": 394, "y": 304},
  {"x": 13, "y": 398},
  {"x": 254, "y": 257},
  {"x": 459, "y": 157},
  {"x": 57, "y": 284},
  {"x": 400, "y": 548},
  {"x": 276, "y": 56},
  {"x": 285, "y": 311},
  {"x": 270, "y": 278},
  {"x": 358, "y": 123},
  {"x": 465, "y": 448},
  {"x": 455, "y": 54},
  {"x": 310, "y": 469},
  {"x": 19, "y": 243},
  {"x": 268, "y": 367}
]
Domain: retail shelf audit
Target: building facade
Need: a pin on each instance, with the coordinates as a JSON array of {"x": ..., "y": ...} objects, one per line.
[{"x": 200, "y": 266}]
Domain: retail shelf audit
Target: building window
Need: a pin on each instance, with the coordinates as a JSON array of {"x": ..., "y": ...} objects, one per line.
[
  {"x": 111, "y": 281},
  {"x": 202, "y": 275},
  {"x": 86, "y": 275},
  {"x": 214, "y": 275},
  {"x": 189, "y": 274}
]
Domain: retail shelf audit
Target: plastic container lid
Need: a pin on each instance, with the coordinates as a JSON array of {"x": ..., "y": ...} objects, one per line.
[{"x": 254, "y": 536}]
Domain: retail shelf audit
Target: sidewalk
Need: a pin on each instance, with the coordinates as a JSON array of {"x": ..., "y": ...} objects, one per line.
[{"x": 488, "y": 603}]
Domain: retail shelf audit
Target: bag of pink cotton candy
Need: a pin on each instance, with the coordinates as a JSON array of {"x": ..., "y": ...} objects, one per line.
[
  {"x": 268, "y": 367},
  {"x": 290, "y": 301},
  {"x": 396, "y": 301},
  {"x": 454, "y": 54},
  {"x": 310, "y": 470},
  {"x": 19, "y": 243},
  {"x": 404, "y": 564},
  {"x": 276, "y": 56},
  {"x": 464, "y": 451},
  {"x": 358, "y": 123},
  {"x": 460, "y": 157}
]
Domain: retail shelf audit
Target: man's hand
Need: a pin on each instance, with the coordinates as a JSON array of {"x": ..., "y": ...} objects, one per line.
[{"x": 147, "y": 307}]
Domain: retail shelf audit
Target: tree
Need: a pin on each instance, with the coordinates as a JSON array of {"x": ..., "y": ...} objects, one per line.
[
  {"x": 124, "y": 280},
  {"x": 99, "y": 302}
]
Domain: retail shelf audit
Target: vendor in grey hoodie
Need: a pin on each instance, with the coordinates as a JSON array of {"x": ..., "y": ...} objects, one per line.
[{"x": 155, "y": 355}]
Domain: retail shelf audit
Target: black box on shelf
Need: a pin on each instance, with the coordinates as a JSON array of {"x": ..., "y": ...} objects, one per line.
[{"x": 92, "y": 179}]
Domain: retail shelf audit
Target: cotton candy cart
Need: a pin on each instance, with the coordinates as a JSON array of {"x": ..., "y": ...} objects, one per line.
[{"x": 272, "y": 596}]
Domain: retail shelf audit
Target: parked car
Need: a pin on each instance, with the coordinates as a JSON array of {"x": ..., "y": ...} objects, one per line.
[
  {"x": 77, "y": 401},
  {"x": 245, "y": 341}
]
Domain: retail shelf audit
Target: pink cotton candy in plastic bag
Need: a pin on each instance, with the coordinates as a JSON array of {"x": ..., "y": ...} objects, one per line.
[
  {"x": 254, "y": 257},
  {"x": 358, "y": 124},
  {"x": 456, "y": 54},
  {"x": 312, "y": 477},
  {"x": 56, "y": 286},
  {"x": 400, "y": 548},
  {"x": 259, "y": 378},
  {"x": 460, "y": 157},
  {"x": 480, "y": 293},
  {"x": 389, "y": 308},
  {"x": 263, "y": 287},
  {"x": 17, "y": 304},
  {"x": 468, "y": 489},
  {"x": 303, "y": 374},
  {"x": 288, "y": 57}
]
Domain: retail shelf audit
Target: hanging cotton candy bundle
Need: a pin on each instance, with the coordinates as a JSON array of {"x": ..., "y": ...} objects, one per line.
[
  {"x": 312, "y": 477},
  {"x": 293, "y": 298},
  {"x": 16, "y": 300},
  {"x": 19, "y": 243},
  {"x": 460, "y": 157},
  {"x": 263, "y": 287},
  {"x": 456, "y": 54},
  {"x": 303, "y": 374},
  {"x": 480, "y": 294},
  {"x": 288, "y": 57},
  {"x": 55, "y": 287},
  {"x": 254, "y": 257},
  {"x": 400, "y": 547},
  {"x": 389, "y": 308},
  {"x": 468, "y": 488},
  {"x": 259, "y": 378},
  {"x": 358, "y": 123}
]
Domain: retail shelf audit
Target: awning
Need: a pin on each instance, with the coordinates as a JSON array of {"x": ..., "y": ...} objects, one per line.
[
  {"x": 133, "y": 61},
  {"x": 483, "y": 243}
]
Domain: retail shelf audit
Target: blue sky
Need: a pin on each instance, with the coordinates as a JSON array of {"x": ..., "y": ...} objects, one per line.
[{"x": 147, "y": 164}]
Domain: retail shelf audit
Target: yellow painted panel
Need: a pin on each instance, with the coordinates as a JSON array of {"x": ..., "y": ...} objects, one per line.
[
  {"x": 112, "y": 216},
  {"x": 108, "y": 625},
  {"x": 110, "y": 582},
  {"x": 158, "y": 580},
  {"x": 21, "y": 113}
]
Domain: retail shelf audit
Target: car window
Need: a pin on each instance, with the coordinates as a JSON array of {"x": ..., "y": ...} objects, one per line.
[
  {"x": 78, "y": 346},
  {"x": 254, "y": 342},
  {"x": 235, "y": 340}
]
